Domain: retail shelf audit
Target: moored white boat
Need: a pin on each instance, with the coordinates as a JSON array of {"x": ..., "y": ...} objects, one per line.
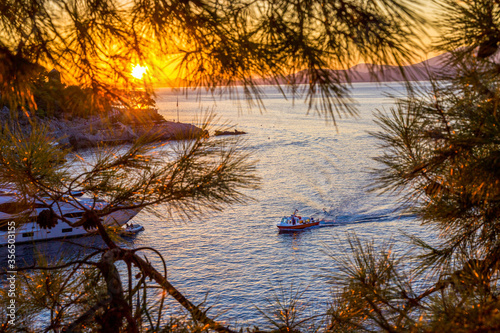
[
  {"x": 131, "y": 229},
  {"x": 296, "y": 222},
  {"x": 18, "y": 221}
]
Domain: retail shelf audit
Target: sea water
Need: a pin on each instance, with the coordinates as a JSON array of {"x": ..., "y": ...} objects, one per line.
[
  {"x": 236, "y": 259},
  {"x": 307, "y": 163}
]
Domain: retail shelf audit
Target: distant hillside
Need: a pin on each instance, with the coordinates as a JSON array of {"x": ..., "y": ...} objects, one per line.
[
  {"x": 361, "y": 73},
  {"x": 381, "y": 73},
  {"x": 416, "y": 72}
]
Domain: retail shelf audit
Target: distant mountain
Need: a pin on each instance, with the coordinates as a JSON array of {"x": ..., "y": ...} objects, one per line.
[
  {"x": 421, "y": 71},
  {"x": 385, "y": 73},
  {"x": 381, "y": 73}
]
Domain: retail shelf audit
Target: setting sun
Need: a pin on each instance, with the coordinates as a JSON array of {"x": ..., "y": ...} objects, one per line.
[{"x": 138, "y": 71}]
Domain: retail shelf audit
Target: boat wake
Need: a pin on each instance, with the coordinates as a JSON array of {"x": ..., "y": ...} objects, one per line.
[{"x": 345, "y": 219}]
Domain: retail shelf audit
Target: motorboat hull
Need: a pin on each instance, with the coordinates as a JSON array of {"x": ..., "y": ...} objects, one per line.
[
  {"x": 296, "y": 222},
  {"x": 30, "y": 232},
  {"x": 297, "y": 227},
  {"x": 18, "y": 220}
]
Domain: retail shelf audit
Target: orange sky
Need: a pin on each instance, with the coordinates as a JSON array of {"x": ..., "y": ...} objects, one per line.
[{"x": 163, "y": 72}]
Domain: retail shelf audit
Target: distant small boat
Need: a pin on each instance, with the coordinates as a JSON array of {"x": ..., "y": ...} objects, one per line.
[
  {"x": 235, "y": 132},
  {"x": 131, "y": 229},
  {"x": 295, "y": 222}
]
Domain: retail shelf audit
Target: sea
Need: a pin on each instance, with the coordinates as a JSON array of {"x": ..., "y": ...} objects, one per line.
[
  {"x": 236, "y": 261},
  {"x": 306, "y": 162}
]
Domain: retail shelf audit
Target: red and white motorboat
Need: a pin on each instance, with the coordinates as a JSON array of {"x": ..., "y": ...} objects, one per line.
[{"x": 294, "y": 222}]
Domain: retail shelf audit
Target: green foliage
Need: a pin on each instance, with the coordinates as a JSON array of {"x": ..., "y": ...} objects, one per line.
[
  {"x": 191, "y": 173},
  {"x": 61, "y": 294},
  {"x": 188, "y": 177},
  {"x": 441, "y": 151},
  {"x": 52, "y": 98},
  {"x": 30, "y": 160},
  {"x": 470, "y": 24},
  {"x": 372, "y": 290},
  {"x": 288, "y": 312},
  {"x": 48, "y": 94}
]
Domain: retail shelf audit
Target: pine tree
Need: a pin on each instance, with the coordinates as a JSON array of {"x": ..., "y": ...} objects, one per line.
[
  {"x": 441, "y": 150},
  {"x": 214, "y": 43}
]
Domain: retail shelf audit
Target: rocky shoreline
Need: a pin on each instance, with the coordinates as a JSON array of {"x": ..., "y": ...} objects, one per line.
[
  {"x": 81, "y": 133},
  {"x": 234, "y": 132},
  {"x": 87, "y": 133}
]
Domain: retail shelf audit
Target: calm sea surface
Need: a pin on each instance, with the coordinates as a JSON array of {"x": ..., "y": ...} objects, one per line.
[
  {"x": 237, "y": 256},
  {"x": 305, "y": 163}
]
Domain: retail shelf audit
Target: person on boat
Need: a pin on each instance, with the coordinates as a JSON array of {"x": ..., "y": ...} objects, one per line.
[{"x": 293, "y": 219}]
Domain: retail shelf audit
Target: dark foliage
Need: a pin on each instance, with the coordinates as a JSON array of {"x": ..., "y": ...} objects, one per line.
[{"x": 441, "y": 150}]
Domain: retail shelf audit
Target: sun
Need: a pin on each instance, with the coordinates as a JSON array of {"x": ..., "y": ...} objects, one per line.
[{"x": 138, "y": 71}]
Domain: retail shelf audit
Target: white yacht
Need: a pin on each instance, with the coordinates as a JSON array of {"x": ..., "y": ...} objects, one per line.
[{"x": 18, "y": 221}]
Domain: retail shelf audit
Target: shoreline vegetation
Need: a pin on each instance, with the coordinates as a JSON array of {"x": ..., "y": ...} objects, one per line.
[{"x": 71, "y": 121}]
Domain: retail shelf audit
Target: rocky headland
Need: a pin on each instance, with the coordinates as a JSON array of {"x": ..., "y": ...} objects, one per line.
[
  {"x": 117, "y": 128},
  {"x": 235, "y": 132}
]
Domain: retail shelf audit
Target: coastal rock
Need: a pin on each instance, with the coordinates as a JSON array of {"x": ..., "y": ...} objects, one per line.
[
  {"x": 81, "y": 133},
  {"x": 235, "y": 132},
  {"x": 176, "y": 131}
]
